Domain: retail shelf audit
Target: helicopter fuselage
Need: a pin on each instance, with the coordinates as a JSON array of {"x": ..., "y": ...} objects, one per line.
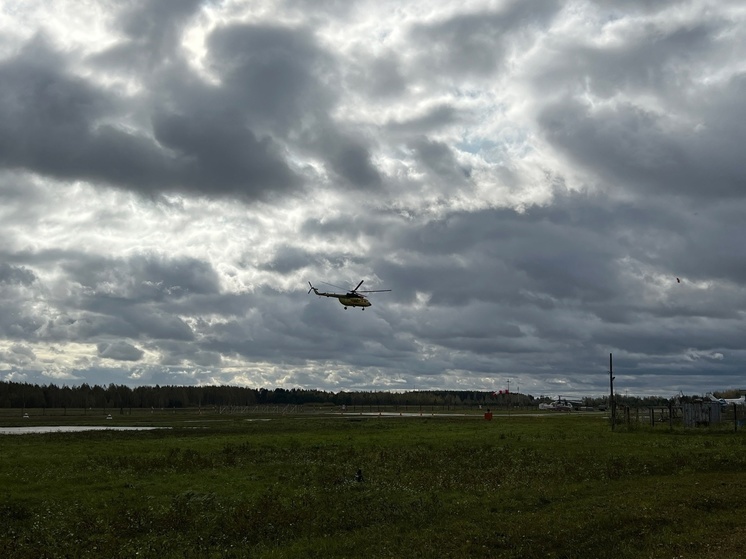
[{"x": 354, "y": 301}]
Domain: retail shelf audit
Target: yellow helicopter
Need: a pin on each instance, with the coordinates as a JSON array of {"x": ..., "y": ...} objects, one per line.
[{"x": 353, "y": 298}]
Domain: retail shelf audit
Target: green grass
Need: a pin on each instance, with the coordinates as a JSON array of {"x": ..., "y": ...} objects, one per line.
[{"x": 222, "y": 486}]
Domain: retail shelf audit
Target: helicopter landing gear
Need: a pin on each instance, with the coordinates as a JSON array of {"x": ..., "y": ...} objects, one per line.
[{"x": 345, "y": 308}]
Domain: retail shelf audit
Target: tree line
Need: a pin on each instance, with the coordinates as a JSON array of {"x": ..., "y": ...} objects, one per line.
[{"x": 25, "y": 395}]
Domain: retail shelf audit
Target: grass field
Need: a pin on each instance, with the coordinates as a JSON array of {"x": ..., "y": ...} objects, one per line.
[{"x": 273, "y": 486}]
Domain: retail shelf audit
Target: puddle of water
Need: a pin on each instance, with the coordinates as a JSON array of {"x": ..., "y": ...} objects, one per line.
[{"x": 68, "y": 429}]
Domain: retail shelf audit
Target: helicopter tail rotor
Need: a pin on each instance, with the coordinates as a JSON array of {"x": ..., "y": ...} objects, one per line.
[{"x": 309, "y": 291}]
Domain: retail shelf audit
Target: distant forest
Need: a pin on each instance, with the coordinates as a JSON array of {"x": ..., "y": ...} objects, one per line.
[{"x": 24, "y": 395}]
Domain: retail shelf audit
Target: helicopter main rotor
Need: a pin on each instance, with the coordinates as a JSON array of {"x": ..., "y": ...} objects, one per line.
[{"x": 356, "y": 290}]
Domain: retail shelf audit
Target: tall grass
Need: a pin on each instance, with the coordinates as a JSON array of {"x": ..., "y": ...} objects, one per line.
[{"x": 431, "y": 487}]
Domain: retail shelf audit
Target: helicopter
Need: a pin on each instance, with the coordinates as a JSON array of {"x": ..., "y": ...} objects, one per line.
[{"x": 353, "y": 298}]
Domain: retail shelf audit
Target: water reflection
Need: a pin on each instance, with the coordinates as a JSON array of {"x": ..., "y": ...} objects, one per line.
[{"x": 68, "y": 429}]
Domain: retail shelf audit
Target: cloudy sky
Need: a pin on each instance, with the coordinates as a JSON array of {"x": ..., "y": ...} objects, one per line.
[{"x": 529, "y": 178}]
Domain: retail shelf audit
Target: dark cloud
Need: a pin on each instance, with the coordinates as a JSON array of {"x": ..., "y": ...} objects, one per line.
[
  {"x": 289, "y": 259},
  {"x": 229, "y": 139},
  {"x": 221, "y": 155},
  {"x": 119, "y": 351},
  {"x": 351, "y": 160},
  {"x": 105, "y": 317},
  {"x": 440, "y": 160},
  {"x": 141, "y": 278},
  {"x": 175, "y": 353},
  {"x": 48, "y": 114},
  {"x": 655, "y": 61},
  {"x": 285, "y": 83},
  {"x": 604, "y": 121},
  {"x": 476, "y": 44},
  {"x": 16, "y": 274},
  {"x": 137, "y": 298},
  {"x": 18, "y": 319},
  {"x": 560, "y": 277},
  {"x": 635, "y": 148},
  {"x": 277, "y": 75},
  {"x": 152, "y": 32},
  {"x": 53, "y": 125}
]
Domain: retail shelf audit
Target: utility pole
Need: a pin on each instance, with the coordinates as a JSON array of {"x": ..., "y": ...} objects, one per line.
[
  {"x": 509, "y": 397},
  {"x": 612, "y": 404}
]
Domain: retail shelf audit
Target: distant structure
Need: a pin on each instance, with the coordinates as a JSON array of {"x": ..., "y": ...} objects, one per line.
[{"x": 697, "y": 414}]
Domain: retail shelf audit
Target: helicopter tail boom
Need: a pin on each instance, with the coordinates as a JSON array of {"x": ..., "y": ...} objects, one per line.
[{"x": 321, "y": 293}]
